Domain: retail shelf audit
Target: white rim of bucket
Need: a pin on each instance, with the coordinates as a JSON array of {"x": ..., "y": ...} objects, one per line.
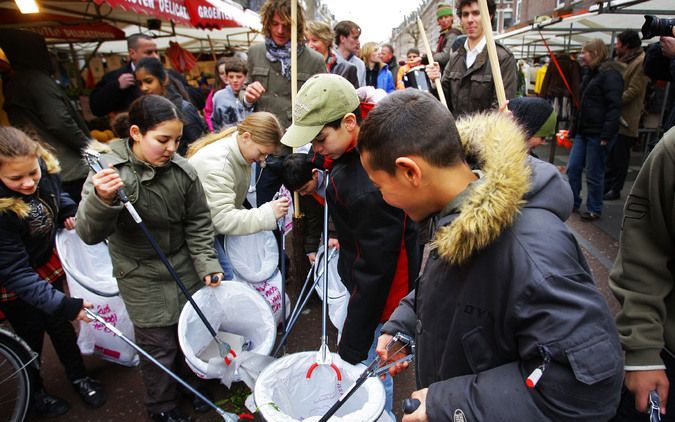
[{"x": 198, "y": 366}]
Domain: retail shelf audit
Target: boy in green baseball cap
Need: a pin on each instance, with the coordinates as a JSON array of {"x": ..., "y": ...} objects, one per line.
[{"x": 378, "y": 250}]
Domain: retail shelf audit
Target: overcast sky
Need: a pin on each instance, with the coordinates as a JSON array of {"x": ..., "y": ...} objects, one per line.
[{"x": 375, "y": 17}]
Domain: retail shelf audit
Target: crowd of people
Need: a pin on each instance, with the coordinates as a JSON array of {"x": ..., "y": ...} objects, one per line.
[{"x": 449, "y": 227}]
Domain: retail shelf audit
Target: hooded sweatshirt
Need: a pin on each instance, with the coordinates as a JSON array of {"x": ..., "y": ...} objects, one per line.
[{"x": 507, "y": 289}]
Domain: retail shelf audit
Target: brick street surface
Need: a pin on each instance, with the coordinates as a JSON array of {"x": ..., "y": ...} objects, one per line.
[{"x": 599, "y": 241}]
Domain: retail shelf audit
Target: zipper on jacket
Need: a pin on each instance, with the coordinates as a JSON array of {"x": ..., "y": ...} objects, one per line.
[{"x": 536, "y": 375}]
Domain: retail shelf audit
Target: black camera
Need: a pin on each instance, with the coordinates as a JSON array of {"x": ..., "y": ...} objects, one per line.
[{"x": 654, "y": 27}]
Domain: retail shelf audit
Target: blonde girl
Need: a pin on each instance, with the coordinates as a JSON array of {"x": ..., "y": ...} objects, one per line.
[{"x": 33, "y": 206}]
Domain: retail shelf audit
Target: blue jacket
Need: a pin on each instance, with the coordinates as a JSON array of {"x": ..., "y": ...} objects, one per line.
[
  {"x": 26, "y": 242},
  {"x": 385, "y": 80}
]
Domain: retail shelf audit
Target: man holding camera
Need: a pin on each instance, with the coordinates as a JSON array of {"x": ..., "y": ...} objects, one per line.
[{"x": 660, "y": 58}]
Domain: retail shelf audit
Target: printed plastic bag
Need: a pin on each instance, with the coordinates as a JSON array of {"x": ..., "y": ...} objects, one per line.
[{"x": 89, "y": 275}]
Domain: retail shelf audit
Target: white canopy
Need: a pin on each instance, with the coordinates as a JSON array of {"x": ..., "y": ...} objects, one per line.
[{"x": 603, "y": 20}]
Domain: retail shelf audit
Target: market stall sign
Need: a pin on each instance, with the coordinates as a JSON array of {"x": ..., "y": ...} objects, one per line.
[
  {"x": 173, "y": 10},
  {"x": 99, "y": 31}
]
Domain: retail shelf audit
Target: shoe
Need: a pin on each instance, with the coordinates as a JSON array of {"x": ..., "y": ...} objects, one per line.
[
  {"x": 91, "y": 392},
  {"x": 172, "y": 415},
  {"x": 611, "y": 195},
  {"x": 589, "y": 216},
  {"x": 49, "y": 406}
]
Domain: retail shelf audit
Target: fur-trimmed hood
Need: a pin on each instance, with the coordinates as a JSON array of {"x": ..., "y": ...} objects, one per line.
[
  {"x": 13, "y": 202},
  {"x": 498, "y": 144}
]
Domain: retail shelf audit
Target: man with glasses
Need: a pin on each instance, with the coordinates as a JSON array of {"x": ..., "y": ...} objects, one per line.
[{"x": 117, "y": 89}]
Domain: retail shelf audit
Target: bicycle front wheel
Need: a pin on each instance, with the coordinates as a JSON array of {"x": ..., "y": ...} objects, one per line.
[{"x": 14, "y": 380}]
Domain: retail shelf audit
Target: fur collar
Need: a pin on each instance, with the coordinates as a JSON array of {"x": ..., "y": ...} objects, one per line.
[
  {"x": 12, "y": 202},
  {"x": 498, "y": 143}
]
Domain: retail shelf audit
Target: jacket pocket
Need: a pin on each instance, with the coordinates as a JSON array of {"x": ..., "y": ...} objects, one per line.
[
  {"x": 479, "y": 349},
  {"x": 125, "y": 267},
  {"x": 594, "y": 360},
  {"x": 260, "y": 74}
]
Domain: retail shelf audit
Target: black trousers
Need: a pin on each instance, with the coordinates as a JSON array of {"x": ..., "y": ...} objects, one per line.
[
  {"x": 627, "y": 411},
  {"x": 618, "y": 159},
  {"x": 31, "y": 324}
]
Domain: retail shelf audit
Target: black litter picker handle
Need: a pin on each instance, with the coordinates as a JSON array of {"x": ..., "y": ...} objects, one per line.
[
  {"x": 410, "y": 405},
  {"x": 93, "y": 159}
]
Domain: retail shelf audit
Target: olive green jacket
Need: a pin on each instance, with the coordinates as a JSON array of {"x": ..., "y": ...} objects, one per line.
[
  {"x": 171, "y": 202},
  {"x": 277, "y": 96},
  {"x": 472, "y": 90}
]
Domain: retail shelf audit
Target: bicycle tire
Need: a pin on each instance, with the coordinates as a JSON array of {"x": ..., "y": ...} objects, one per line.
[{"x": 15, "y": 380}]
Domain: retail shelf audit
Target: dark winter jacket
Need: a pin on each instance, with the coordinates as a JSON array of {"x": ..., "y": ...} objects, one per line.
[
  {"x": 506, "y": 288},
  {"x": 660, "y": 68},
  {"x": 346, "y": 70},
  {"x": 444, "y": 47},
  {"x": 194, "y": 127},
  {"x": 27, "y": 240},
  {"x": 554, "y": 86},
  {"x": 107, "y": 97},
  {"x": 472, "y": 90},
  {"x": 600, "y": 110},
  {"x": 378, "y": 254},
  {"x": 36, "y": 104}
]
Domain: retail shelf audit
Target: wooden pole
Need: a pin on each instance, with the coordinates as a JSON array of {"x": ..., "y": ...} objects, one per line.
[
  {"x": 430, "y": 56},
  {"x": 294, "y": 82},
  {"x": 213, "y": 51},
  {"x": 492, "y": 53}
]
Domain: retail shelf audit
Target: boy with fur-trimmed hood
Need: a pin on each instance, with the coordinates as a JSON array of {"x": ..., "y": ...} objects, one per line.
[{"x": 508, "y": 322}]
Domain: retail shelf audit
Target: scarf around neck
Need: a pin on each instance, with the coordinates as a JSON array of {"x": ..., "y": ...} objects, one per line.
[{"x": 281, "y": 54}]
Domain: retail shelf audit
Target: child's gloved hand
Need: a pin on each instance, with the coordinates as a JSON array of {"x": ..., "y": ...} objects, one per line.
[{"x": 213, "y": 280}]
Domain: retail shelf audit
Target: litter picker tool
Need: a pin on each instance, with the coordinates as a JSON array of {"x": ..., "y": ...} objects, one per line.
[
  {"x": 281, "y": 225},
  {"x": 430, "y": 57},
  {"x": 303, "y": 298},
  {"x": 377, "y": 367},
  {"x": 228, "y": 417},
  {"x": 93, "y": 159},
  {"x": 324, "y": 357}
]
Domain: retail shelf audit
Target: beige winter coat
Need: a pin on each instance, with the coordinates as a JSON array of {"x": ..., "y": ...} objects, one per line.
[
  {"x": 225, "y": 176},
  {"x": 635, "y": 84}
]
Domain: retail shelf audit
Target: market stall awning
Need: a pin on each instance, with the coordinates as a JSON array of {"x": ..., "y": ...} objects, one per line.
[
  {"x": 56, "y": 27},
  {"x": 569, "y": 32},
  {"x": 210, "y": 14}
]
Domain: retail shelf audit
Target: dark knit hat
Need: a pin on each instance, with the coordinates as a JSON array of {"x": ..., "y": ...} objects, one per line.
[
  {"x": 443, "y": 10},
  {"x": 535, "y": 115}
]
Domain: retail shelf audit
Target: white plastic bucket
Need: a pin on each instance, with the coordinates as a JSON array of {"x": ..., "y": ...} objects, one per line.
[
  {"x": 235, "y": 310},
  {"x": 90, "y": 276},
  {"x": 338, "y": 295},
  {"x": 283, "y": 393}
]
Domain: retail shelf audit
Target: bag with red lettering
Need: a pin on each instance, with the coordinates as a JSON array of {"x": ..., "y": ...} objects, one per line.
[
  {"x": 254, "y": 259},
  {"x": 90, "y": 276}
]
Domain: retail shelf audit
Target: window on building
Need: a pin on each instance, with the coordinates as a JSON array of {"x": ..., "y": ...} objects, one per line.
[
  {"x": 508, "y": 19},
  {"x": 519, "y": 4}
]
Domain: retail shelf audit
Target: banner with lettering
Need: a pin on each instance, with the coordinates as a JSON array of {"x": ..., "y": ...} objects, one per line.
[{"x": 173, "y": 10}]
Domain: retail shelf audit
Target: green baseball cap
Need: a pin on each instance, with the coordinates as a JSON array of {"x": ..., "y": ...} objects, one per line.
[{"x": 324, "y": 98}]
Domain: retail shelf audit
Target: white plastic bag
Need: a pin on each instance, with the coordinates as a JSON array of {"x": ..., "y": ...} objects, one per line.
[
  {"x": 254, "y": 260},
  {"x": 283, "y": 393},
  {"x": 338, "y": 295},
  {"x": 244, "y": 320},
  {"x": 89, "y": 275},
  {"x": 254, "y": 257}
]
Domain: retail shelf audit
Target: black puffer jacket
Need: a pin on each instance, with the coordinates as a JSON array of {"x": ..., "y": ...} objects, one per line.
[
  {"x": 600, "y": 110},
  {"x": 27, "y": 240},
  {"x": 505, "y": 288}
]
